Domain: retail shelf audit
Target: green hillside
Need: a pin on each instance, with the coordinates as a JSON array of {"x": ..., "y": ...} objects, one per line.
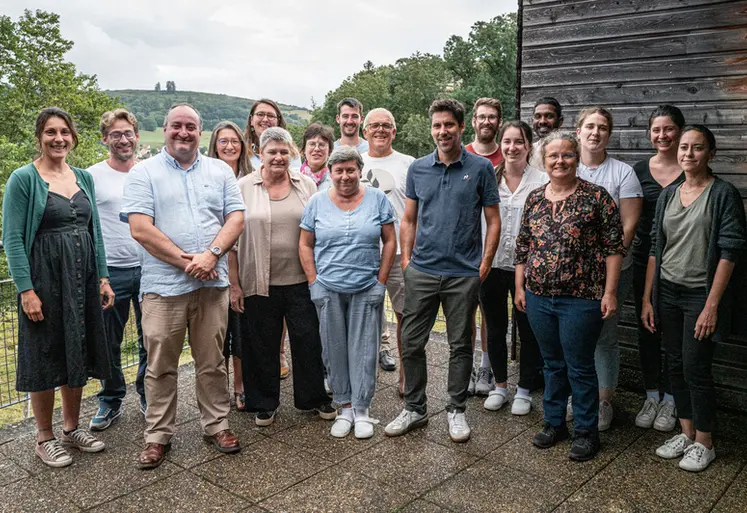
[{"x": 151, "y": 106}]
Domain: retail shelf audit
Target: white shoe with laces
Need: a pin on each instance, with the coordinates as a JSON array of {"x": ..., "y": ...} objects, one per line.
[
  {"x": 459, "y": 430},
  {"x": 697, "y": 457},
  {"x": 83, "y": 441},
  {"x": 405, "y": 422},
  {"x": 647, "y": 415},
  {"x": 666, "y": 417},
  {"x": 674, "y": 447},
  {"x": 52, "y": 453}
]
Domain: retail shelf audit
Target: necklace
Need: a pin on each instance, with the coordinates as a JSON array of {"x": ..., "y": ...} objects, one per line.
[{"x": 693, "y": 189}]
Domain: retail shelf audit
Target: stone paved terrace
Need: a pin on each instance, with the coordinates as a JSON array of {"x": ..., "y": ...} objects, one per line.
[{"x": 295, "y": 465}]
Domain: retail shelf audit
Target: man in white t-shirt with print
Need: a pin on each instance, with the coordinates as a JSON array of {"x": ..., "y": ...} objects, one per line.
[
  {"x": 386, "y": 169},
  {"x": 119, "y": 132}
]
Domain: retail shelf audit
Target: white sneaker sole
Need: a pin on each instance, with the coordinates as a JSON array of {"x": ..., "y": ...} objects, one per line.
[
  {"x": 417, "y": 424},
  {"x": 104, "y": 425},
  {"x": 643, "y": 425},
  {"x": 459, "y": 438}
]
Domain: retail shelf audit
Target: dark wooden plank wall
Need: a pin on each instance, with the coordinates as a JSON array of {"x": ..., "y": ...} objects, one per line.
[{"x": 631, "y": 55}]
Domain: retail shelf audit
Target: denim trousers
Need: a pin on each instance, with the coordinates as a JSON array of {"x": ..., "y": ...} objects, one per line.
[
  {"x": 607, "y": 356},
  {"x": 261, "y": 331},
  {"x": 690, "y": 360},
  {"x": 424, "y": 293},
  {"x": 125, "y": 282},
  {"x": 653, "y": 365},
  {"x": 567, "y": 329},
  {"x": 494, "y": 294},
  {"x": 350, "y": 328}
]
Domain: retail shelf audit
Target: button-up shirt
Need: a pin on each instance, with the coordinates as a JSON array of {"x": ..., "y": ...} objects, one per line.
[{"x": 189, "y": 206}]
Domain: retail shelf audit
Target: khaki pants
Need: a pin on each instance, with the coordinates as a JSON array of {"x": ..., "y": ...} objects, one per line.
[{"x": 165, "y": 322}]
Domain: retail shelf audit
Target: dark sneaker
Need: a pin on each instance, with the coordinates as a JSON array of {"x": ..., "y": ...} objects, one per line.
[
  {"x": 585, "y": 446},
  {"x": 104, "y": 418},
  {"x": 265, "y": 418},
  {"x": 550, "y": 435},
  {"x": 326, "y": 412},
  {"x": 386, "y": 361}
]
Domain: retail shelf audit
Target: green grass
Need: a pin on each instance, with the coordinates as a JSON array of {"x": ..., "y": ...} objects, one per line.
[{"x": 155, "y": 139}]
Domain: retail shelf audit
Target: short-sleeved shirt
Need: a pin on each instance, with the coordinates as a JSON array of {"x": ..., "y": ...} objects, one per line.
[
  {"x": 620, "y": 181},
  {"x": 450, "y": 200},
  {"x": 495, "y": 158},
  {"x": 389, "y": 174},
  {"x": 121, "y": 249},
  {"x": 565, "y": 254},
  {"x": 346, "y": 246},
  {"x": 189, "y": 206},
  {"x": 362, "y": 145},
  {"x": 651, "y": 192}
]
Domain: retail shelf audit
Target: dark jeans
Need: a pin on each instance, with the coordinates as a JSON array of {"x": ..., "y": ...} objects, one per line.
[
  {"x": 689, "y": 359},
  {"x": 125, "y": 282},
  {"x": 655, "y": 375},
  {"x": 494, "y": 293},
  {"x": 567, "y": 329},
  {"x": 424, "y": 293},
  {"x": 261, "y": 330}
]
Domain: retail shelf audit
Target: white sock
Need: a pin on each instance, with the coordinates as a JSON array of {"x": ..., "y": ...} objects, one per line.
[
  {"x": 668, "y": 398},
  {"x": 361, "y": 413},
  {"x": 522, "y": 392},
  {"x": 502, "y": 390},
  {"x": 485, "y": 361},
  {"x": 652, "y": 394},
  {"x": 347, "y": 413}
]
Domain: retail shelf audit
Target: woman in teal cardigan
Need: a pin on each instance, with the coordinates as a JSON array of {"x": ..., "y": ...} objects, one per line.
[{"x": 52, "y": 238}]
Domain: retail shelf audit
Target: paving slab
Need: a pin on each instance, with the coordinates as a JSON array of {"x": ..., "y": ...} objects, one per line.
[
  {"x": 421, "y": 506},
  {"x": 10, "y": 472},
  {"x": 262, "y": 469},
  {"x": 735, "y": 497},
  {"x": 30, "y": 495},
  {"x": 182, "y": 492},
  {"x": 338, "y": 489}
]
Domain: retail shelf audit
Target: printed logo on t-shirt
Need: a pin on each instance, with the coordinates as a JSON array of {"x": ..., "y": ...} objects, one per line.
[{"x": 380, "y": 179}]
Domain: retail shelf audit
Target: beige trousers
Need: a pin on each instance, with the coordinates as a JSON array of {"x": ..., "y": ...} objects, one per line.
[{"x": 165, "y": 321}]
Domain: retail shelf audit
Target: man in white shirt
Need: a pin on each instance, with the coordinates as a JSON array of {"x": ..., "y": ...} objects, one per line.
[
  {"x": 119, "y": 132},
  {"x": 349, "y": 117},
  {"x": 386, "y": 169}
]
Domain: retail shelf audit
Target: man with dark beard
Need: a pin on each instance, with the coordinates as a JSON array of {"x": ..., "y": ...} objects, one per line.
[
  {"x": 546, "y": 118},
  {"x": 119, "y": 132},
  {"x": 186, "y": 211},
  {"x": 350, "y": 118}
]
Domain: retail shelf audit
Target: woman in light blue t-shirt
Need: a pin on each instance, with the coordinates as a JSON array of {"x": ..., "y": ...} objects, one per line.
[{"x": 341, "y": 232}]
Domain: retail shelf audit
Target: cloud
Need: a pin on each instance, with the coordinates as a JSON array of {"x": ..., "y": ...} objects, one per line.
[{"x": 289, "y": 50}]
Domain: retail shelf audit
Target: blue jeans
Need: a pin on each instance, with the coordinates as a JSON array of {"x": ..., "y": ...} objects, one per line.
[
  {"x": 350, "y": 329},
  {"x": 607, "y": 354},
  {"x": 567, "y": 329},
  {"x": 125, "y": 282}
]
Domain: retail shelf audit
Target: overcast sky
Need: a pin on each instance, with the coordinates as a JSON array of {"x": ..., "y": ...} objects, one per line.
[{"x": 288, "y": 50}]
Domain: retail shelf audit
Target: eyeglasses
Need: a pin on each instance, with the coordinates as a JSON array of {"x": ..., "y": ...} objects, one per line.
[
  {"x": 226, "y": 142},
  {"x": 379, "y": 126},
  {"x": 482, "y": 118},
  {"x": 265, "y": 115},
  {"x": 116, "y": 136},
  {"x": 312, "y": 145},
  {"x": 565, "y": 156}
]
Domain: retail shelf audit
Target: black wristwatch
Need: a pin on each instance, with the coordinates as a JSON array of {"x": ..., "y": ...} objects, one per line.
[{"x": 215, "y": 250}]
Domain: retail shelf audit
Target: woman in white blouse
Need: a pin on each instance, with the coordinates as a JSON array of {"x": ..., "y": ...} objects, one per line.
[{"x": 516, "y": 179}]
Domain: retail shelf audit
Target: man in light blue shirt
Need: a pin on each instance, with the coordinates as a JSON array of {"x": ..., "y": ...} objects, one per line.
[
  {"x": 186, "y": 211},
  {"x": 350, "y": 118}
]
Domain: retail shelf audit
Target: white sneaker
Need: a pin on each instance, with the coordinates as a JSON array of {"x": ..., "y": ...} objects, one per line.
[
  {"x": 605, "y": 415},
  {"x": 666, "y": 417},
  {"x": 364, "y": 425},
  {"x": 485, "y": 381},
  {"x": 674, "y": 447},
  {"x": 496, "y": 399},
  {"x": 569, "y": 410},
  {"x": 522, "y": 405},
  {"x": 645, "y": 417},
  {"x": 406, "y": 421},
  {"x": 459, "y": 431},
  {"x": 342, "y": 424},
  {"x": 697, "y": 457}
]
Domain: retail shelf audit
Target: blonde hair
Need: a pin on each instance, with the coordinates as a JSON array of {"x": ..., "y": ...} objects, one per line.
[
  {"x": 597, "y": 109},
  {"x": 108, "y": 118}
]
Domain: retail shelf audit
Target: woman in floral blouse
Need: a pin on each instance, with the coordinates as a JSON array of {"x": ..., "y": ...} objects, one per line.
[{"x": 568, "y": 257}]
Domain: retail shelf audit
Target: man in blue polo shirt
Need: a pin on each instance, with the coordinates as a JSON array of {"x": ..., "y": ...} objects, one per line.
[{"x": 446, "y": 193}]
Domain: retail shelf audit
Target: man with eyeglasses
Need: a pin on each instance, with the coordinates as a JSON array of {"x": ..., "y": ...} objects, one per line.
[
  {"x": 386, "y": 169},
  {"x": 119, "y": 132},
  {"x": 487, "y": 118},
  {"x": 350, "y": 117}
]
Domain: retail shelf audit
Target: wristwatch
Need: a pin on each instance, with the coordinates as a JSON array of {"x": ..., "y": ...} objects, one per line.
[{"x": 215, "y": 250}]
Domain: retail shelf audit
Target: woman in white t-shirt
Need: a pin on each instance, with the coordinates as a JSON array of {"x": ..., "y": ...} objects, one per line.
[
  {"x": 594, "y": 128},
  {"x": 516, "y": 179}
]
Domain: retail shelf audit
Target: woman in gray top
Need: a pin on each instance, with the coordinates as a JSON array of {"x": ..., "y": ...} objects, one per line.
[{"x": 697, "y": 237}]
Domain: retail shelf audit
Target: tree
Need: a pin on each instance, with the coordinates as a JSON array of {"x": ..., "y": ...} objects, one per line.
[
  {"x": 158, "y": 87},
  {"x": 170, "y": 86},
  {"x": 148, "y": 124}
]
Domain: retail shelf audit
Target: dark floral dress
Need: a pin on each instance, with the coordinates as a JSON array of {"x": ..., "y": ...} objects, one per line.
[
  {"x": 565, "y": 253},
  {"x": 68, "y": 346}
]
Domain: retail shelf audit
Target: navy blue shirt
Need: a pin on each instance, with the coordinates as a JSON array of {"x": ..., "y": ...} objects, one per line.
[{"x": 450, "y": 199}]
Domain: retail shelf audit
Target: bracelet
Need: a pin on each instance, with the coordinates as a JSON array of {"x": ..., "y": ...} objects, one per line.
[{"x": 103, "y": 281}]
